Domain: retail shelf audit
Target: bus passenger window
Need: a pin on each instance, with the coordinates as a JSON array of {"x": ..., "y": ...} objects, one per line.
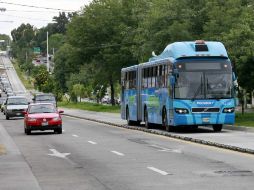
[{"x": 153, "y": 77}]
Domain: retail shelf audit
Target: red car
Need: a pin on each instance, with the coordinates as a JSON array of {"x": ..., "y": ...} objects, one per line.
[{"x": 42, "y": 116}]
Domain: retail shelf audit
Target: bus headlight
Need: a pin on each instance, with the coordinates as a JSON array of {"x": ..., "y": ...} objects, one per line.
[
  {"x": 181, "y": 110},
  {"x": 228, "y": 110}
]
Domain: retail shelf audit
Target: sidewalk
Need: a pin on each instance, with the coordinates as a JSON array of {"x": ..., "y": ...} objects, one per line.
[
  {"x": 234, "y": 138},
  {"x": 15, "y": 172}
]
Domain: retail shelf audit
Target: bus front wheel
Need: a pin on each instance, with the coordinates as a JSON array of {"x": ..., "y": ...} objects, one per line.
[{"x": 217, "y": 128}]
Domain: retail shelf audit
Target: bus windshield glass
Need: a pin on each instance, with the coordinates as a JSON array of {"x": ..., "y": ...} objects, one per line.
[{"x": 211, "y": 80}]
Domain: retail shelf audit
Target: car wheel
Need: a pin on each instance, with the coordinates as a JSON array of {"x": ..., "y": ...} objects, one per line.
[
  {"x": 28, "y": 131},
  {"x": 7, "y": 117},
  {"x": 60, "y": 131}
]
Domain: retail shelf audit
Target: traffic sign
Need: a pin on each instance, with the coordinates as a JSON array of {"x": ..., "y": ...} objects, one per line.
[{"x": 37, "y": 50}]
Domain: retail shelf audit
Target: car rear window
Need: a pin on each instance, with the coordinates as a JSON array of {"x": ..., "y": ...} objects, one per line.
[
  {"x": 45, "y": 108},
  {"x": 17, "y": 101},
  {"x": 45, "y": 98}
]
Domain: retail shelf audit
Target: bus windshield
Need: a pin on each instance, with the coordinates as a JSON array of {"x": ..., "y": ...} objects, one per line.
[{"x": 205, "y": 83}]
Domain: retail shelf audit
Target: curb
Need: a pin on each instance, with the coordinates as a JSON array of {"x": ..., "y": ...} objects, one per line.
[
  {"x": 239, "y": 128},
  {"x": 167, "y": 134}
]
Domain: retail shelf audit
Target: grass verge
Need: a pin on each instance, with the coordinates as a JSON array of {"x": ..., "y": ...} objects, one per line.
[
  {"x": 90, "y": 106},
  {"x": 247, "y": 119},
  {"x": 22, "y": 76}
]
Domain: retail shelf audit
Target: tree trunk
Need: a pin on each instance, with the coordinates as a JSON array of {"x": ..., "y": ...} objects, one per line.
[{"x": 112, "y": 92}]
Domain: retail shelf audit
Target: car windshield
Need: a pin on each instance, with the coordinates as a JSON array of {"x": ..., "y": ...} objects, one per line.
[
  {"x": 42, "y": 109},
  {"x": 17, "y": 101},
  {"x": 45, "y": 98},
  {"x": 205, "y": 83}
]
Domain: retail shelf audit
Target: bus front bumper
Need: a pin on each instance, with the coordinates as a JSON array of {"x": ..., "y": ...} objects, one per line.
[{"x": 204, "y": 119}]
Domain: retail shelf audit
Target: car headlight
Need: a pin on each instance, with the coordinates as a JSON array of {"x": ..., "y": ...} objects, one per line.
[
  {"x": 31, "y": 119},
  {"x": 228, "y": 110},
  {"x": 56, "y": 119},
  {"x": 181, "y": 110}
]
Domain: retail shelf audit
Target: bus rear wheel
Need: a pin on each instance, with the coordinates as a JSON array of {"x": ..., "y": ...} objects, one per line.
[
  {"x": 147, "y": 124},
  {"x": 217, "y": 128},
  {"x": 130, "y": 122},
  {"x": 165, "y": 120}
]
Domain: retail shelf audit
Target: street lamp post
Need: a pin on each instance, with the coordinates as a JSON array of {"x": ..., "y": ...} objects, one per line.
[{"x": 48, "y": 51}]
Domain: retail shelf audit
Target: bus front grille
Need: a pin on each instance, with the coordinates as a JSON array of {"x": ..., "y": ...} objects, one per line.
[{"x": 205, "y": 110}]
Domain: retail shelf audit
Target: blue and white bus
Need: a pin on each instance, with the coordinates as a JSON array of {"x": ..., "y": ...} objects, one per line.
[{"x": 188, "y": 84}]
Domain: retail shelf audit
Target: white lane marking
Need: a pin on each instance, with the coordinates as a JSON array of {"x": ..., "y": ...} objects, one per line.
[
  {"x": 75, "y": 135},
  {"x": 63, "y": 130},
  {"x": 163, "y": 149},
  {"x": 157, "y": 170},
  {"x": 58, "y": 154},
  {"x": 117, "y": 153},
  {"x": 91, "y": 142}
]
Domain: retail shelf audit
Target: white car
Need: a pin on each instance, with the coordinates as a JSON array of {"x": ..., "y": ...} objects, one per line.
[{"x": 15, "y": 106}]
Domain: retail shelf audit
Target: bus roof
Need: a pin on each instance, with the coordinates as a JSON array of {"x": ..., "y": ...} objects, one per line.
[{"x": 198, "y": 48}]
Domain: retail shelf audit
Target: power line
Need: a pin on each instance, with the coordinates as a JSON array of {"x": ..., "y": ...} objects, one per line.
[
  {"x": 31, "y": 11},
  {"x": 25, "y": 18},
  {"x": 37, "y": 7},
  {"x": 8, "y": 21}
]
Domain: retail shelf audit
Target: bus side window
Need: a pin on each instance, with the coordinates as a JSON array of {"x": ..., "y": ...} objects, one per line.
[
  {"x": 166, "y": 76},
  {"x": 134, "y": 80},
  {"x": 153, "y": 77},
  {"x": 149, "y": 77},
  {"x": 144, "y": 78},
  {"x": 159, "y": 78}
]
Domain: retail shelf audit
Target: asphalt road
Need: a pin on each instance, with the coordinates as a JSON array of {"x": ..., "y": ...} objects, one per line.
[
  {"x": 12, "y": 75},
  {"x": 95, "y": 156},
  {"x": 89, "y": 155}
]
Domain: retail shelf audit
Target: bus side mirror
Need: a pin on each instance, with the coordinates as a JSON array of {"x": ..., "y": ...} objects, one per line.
[{"x": 172, "y": 80}]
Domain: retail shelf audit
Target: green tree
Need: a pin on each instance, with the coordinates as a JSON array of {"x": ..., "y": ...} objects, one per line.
[{"x": 79, "y": 91}]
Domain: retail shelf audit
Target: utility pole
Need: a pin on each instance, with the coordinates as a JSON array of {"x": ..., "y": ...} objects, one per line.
[{"x": 48, "y": 51}]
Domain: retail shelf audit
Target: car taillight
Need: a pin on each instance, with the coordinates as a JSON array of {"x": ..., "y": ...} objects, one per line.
[
  {"x": 31, "y": 119},
  {"x": 56, "y": 119}
]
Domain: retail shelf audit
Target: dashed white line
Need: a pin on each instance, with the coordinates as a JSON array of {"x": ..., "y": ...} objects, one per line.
[
  {"x": 157, "y": 170},
  {"x": 75, "y": 135},
  {"x": 117, "y": 153},
  {"x": 91, "y": 142}
]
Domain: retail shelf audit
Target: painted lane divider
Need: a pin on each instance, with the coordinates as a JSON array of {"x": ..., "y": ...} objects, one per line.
[
  {"x": 91, "y": 142},
  {"x": 58, "y": 154},
  {"x": 75, "y": 135},
  {"x": 157, "y": 170},
  {"x": 117, "y": 153},
  {"x": 163, "y": 149}
]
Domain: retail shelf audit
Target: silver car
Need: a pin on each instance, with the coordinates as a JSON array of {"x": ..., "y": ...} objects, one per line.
[{"x": 15, "y": 106}]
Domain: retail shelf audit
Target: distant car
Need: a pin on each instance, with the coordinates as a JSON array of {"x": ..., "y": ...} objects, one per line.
[
  {"x": 15, "y": 106},
  {"x": 106, "y": 100},
  {"x": 42, "y": 116},
  {"x": 45, "y": 98}
]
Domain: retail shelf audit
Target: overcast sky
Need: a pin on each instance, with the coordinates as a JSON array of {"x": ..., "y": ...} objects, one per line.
[{"x": 15, "y": 15}]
